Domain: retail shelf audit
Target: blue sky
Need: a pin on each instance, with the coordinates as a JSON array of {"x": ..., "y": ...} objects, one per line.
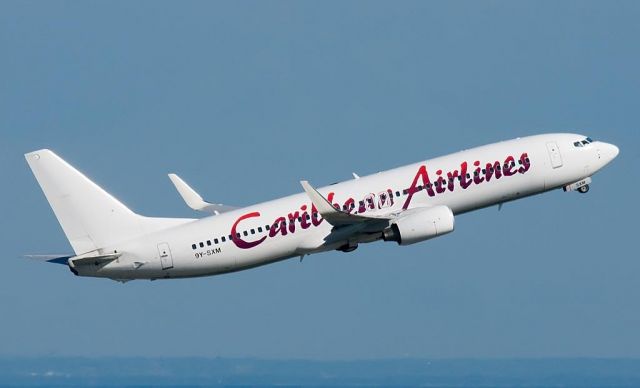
[{"x": 244, "y": 99}]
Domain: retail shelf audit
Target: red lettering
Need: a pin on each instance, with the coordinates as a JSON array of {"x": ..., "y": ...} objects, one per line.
[
  {"x": 420, "y": 181},
  {"x": 440, "y": 183},
  {"x": 451, "y": 179},
  {"x": 304, "y": 224},
  {"x": 465, "y": 181},
  {"x": 292, "y": 221},
  {"x": 422, "y": 173},
  {"x": 492, "y": 169},
  {"x": 279, "y": 226},
  {"x": 477, "y": 179},
  {"x": 349, "y": 205},
  {"x": 240, "y": 243},
  {"x": 524, "y": 160},
  {"x": 509, "y": 163}
]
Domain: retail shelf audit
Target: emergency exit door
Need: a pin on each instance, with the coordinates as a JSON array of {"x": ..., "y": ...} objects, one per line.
[
  {"x": 166, "y": 260},
  {"x": 554, "y": 154}
]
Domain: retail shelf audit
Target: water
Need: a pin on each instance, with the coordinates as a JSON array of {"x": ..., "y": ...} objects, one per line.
[{"x": 59, "y": 371}]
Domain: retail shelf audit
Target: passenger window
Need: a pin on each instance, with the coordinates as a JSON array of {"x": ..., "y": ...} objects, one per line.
[
  {"x": 267, "y": 227},
  {"x": 223, "y": 239},
  {"x": 245, "y": 233},
  {"x": 230, "y": 237},
  {"x": 253, "y": 231},
  {"x": 259, "y": 229},
  {"x": 397, "y": 193},
  {"x": 209, "y": 242},
  {"x": 193, "y": 246},
  {"x": 201, "y": 245},
  {"x": 215, "y": 240},
  {"x": 238, "y": 235}
]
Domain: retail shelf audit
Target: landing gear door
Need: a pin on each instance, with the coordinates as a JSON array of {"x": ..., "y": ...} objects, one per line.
[
  {"x": 165, "y": 256},
  {"x": 554, "y": 154}
]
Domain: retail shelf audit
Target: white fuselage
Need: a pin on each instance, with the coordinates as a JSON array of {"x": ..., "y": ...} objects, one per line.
[{"x": 497, "y": 173}]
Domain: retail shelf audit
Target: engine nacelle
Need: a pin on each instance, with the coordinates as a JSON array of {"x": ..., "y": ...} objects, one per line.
[{"x": 420, "y": 225}]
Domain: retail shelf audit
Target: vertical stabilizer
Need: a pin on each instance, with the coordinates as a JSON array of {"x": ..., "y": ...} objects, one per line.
[{"x": 90, "y": 217}]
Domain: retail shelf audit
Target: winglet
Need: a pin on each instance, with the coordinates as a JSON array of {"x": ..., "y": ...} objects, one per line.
[
  {"x": 194, "y": 200},
  {"x": 322, "y": 204},
  {"x": 333, "y": 215}
]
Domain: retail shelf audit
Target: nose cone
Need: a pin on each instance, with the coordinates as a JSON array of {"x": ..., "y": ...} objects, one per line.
[{"x": 609, "y": 151}]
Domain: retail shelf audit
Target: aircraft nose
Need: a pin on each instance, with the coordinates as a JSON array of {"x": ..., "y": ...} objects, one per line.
[
  {"x": 606, "y": 152},
  {"x": 610, "y": 151}
]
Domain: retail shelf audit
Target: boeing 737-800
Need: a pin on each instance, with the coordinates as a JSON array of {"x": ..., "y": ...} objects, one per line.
[{"x": 405, "y": 205}]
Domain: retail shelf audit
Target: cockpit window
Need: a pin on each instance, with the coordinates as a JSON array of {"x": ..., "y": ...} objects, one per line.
[{"x": 583, "y": 142}]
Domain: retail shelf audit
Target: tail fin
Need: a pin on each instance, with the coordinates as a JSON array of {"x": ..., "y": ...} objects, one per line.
[{"x": 90, "y": 217}]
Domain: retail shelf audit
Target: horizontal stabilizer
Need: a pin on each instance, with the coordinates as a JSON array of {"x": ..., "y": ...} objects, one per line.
[
  {"x": 194, "y": 200},
  {"x": 56, "y": 259},
  {"x": 93, "y": 260},
  {"x": 333, "y": 215}
]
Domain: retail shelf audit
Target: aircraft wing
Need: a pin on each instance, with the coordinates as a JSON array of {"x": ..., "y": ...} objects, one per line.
[
  {"x": 194, "y": 200},
  {"x": 337, "y": 217},
  {"x": 405, "y": 226}
]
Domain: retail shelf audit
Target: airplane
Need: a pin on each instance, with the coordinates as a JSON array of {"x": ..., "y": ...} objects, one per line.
[{"x": 405, "y": 205}]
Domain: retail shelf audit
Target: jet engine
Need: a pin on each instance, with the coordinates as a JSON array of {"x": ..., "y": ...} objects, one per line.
[{"x": 420, "y": 225}]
